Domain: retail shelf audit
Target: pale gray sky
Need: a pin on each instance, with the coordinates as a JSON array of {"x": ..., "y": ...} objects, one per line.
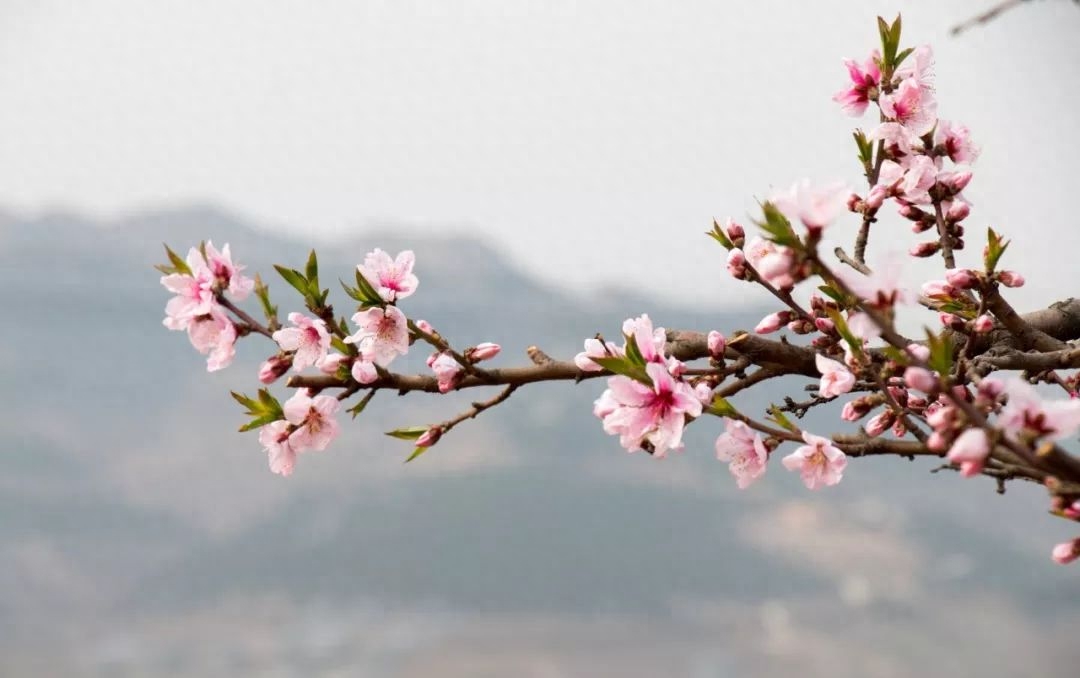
[{"x": 593, "y": 141}]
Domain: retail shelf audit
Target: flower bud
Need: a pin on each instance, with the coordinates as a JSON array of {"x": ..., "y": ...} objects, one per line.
[
  {"x": 936, "y": 442},
  {"x": 425, "y": 326},
  {"x": 717, "y": 345},
  {"x": 970, "y": 450},
  {"x": 1072, "y": 511},
  {"x": 736, "y": 264},
  {"x": 938, "y": 288},
  {"x": 773, "y": 322},
  {"x": 909, "y": 211},
  {"x": 801, "y": 326},
  {"x": 1010, "y": 279},
  {"x": 273, "y": 367},
  {"x": 983, "y": 324},
  {"x": 922, "y": 226},
  {"x": 825, "y": 325},
  {"x": 879, "y": 423},
  {"x": 330, "y": 364},
  {"x": 877, "y": 197},
  {"x": 958, "y": 211},
  {"x": 855, "y": 410},
  {"x": 990, "y": 388},
  {"x": 1066, "y": 552},
  {"x": 953, "y": 322},
  {"x": 925, "y": 249},
  {"x": 920, "y": 379},
  {"x": 919, "y": 351},
  {"x": 959, "y": 180},
  {"x": 962, "y": 278},
  {"x": 430, "y": 437},
  {"x": 484, "y": 351},
  {"x": 735, "y": 232},
  {"x": 822, "y": 343},
  {"x": 854, "y": 203}
]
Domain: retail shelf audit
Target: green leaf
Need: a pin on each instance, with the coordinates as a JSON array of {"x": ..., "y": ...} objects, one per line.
[
  {"x": 251, "y": 405},
  {"x": 624, "y": 367},
  {"x": 294, "y": 278},
  {"x": 410, "y": 433},
  {"x": 311, "y": 271},
  {"x": 259, "y": 422},
  {"x": 903, "y": 55},
  {"x": 721, "y": 407},
  {"x": 777, "y": 226},
  {"x": 832, "y": 293},
  {"x": 178, "y": 264},
  {"x": 941, "y": 352},
  {"x": 633, "y": 352},
  {"x": 995, "y": 247},
  {"x": 780, "y": 419},
  {"x": 845, "y": 332},
  {"x": 416, "y": 453},
  {"x": 865, "y": 146},
  {"x": 368, "y": 294},
  {"x": 717, "y": 234},
  {"x": 262, "y": 293},
  {"x": 359, "y": 407}
]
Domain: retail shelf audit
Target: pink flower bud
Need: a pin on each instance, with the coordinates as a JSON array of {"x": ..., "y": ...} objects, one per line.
[
  {"x": 920, "y": 379},
  {"x": 909, "y": 211},
  {"x": 1073, "y": 511},
  {"x": 736, "y": 264},
  {"x": 853, "y": 203},
  {"x": 1010, "y": 279},
  {"x": 430, "y": 437},
  {"x": 425, "y": 326},
  {"x": 484, "y": 351},
  {"x": 801, "y": 326},
  {"x": 922, "y": 226},
  {"x": 825, "y": 325},
  {"x": 773, "y": 322},
  {"x": 958, "y": 211},
  {"x": 717, "y": 344},
  {"x": 854, "y": 410},
  {"x": 446, "y": 369},
  {"x": 953, "y": 322},
  {"x": 990, "y": 388},
  {"x": 822, "y": 343},
  {"x": 962, "y": 278},
  {"x": 879, "y": 423},
  {"x": 735, "y": 231},
  {"x": 970, "y": 450},
  {"x": 983, "y": 324},
  {"x": 877, "y": 196},
  {"x": 938, "y": 288},
  {"x": 919, "y": 351},
  {"x": 1066, "y": 552},
  {"x": 959, "y": 181},
  {"x": 925, "y": 249},
  {"x": 273, "y": 367}
]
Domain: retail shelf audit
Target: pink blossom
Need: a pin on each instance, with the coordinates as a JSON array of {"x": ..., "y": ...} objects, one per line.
[
  {"x": 775, "y": 264},
  {"x": 1026, "y": 412},
  {"x": 1010, "y": 279},
  {"x": 956, "y": 140},
  {"x": 382, "y": 334},
  {"x": 920, "y": 379},
  {"x": 919, "y": 178},
  {"x": 483, "y": 351},
  {"x": 882, "y": 288},
  {"x": 446, "y": 369},
  {"x": 983, "y": 324},
  {"x": 314, "y": 420},
  {"x": 919, "y": 352},
  {"x": 363, "y": 369},
  {"x": 899, "y": 140},
  {"x": 819, "y": 461},
  {"x": 970, "y": 451},
  {"x": 273, "y": 367},
  {"x": 214, "y": 334},
  {"x": 308, "y": 338},
  {"x": 865, "y": 79},
  {"x": 911, "y": 105},
  {"x": 717, "y": 344},
  {"x": 938, "y": 289},
  {"x": 656, "y": 414},
  {"x": 773, "y": 322},
  {"x": 1066, "y": 552},
  {"x": 744, "y": 450},
  {"x": 835, "y": 378},
  {"x": 194, "y": 293},
  {"x": 650, "y": 341},
  {"x": 736, "y": 263},
  {"x": 392, "y": 278},
  {"x": 815, "y": 206},
  {"x": 274, "y": 437},
  {"x": 226, "y": 274},
  {"x": 918, "y": 67},
  {"x": 594, "y": 348}
]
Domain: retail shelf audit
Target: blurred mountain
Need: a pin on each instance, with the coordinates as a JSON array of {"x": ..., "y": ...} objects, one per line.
[{"x": 141, "y": 535}]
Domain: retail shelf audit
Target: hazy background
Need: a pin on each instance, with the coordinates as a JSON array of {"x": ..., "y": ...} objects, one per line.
[{"x": 554, "y": 165}]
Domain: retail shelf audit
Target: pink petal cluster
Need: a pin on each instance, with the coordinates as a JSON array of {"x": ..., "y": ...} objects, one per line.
[
  {"x": 653, "y": 414},
  {"x": 836, "y": 379},
  {"x": 865, "y": 80},
  {"x": 815, "y": 206},
  {"x": 912, "y": 105},
  {"x": 956, "y": 142},
  {"x": 446, "y": 368},
  {"x": 744, "y": 450},
  {"x": 819, "y": 462},
  {"x": 226, "y": 275},
  {"x": 774, "y": 263},
  {"x": 214, "y": 334},
  {"x": 970, "y": 451},
  {"x": 313, "y": 421},
  {"x": 1027, "y": 413},
  {"x": 274, "y": 437},
  {"x": 307, "y": 339},
  {"x": 382, "y": 334},
  {"x": 392, "y": 278}
]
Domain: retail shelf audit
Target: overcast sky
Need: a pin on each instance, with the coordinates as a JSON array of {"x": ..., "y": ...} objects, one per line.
[{"x": 592, "y": 141}]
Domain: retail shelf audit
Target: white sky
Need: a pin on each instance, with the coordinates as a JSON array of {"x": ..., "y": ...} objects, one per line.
[{"x": 593, "y": 141}]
